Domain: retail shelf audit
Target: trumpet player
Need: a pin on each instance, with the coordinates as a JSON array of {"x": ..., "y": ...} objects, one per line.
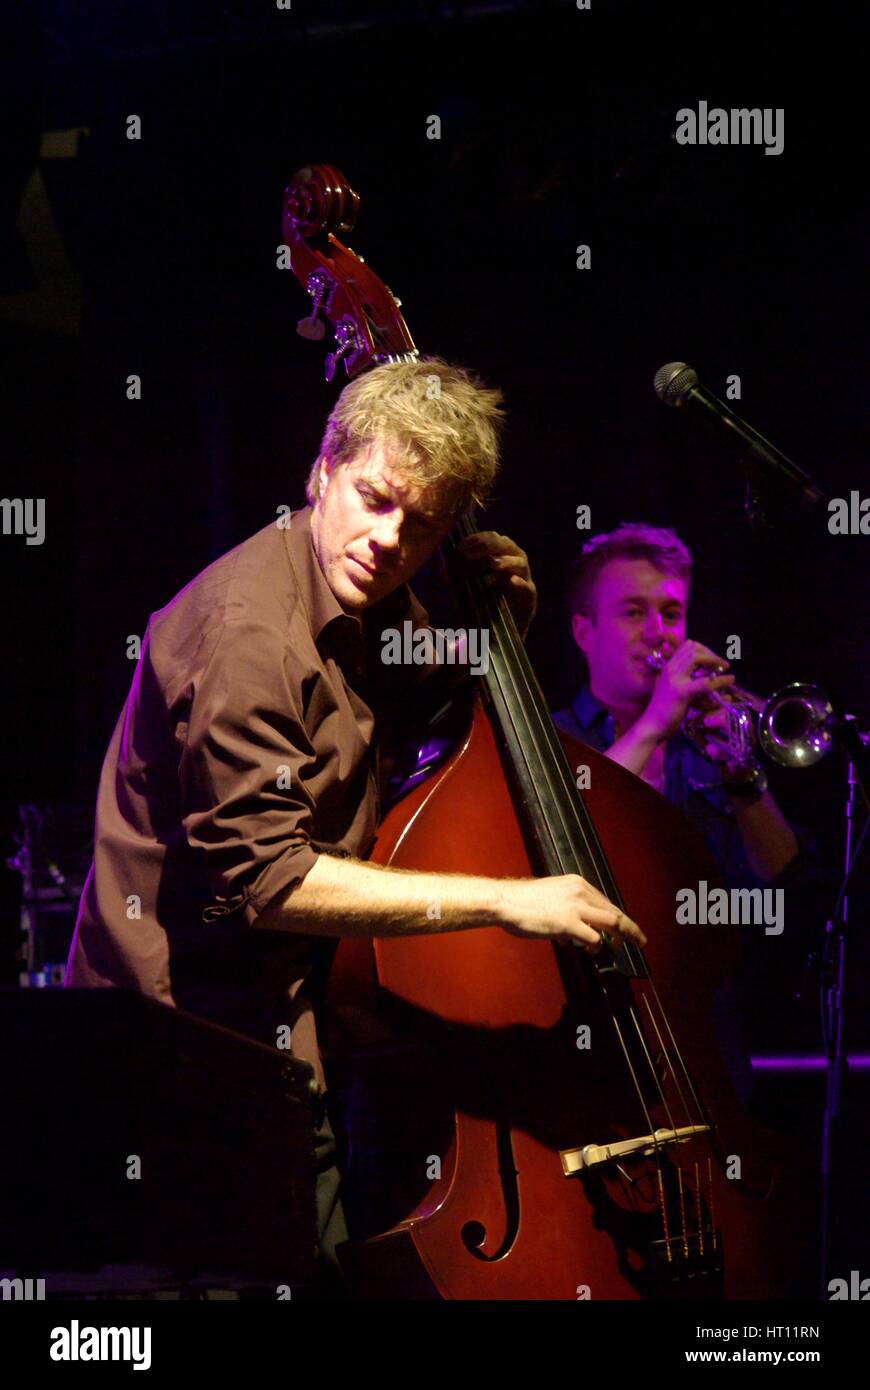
[{"x": 628, "y": 598}]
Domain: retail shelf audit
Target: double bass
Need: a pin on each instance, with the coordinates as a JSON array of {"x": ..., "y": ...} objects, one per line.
[{"x": 533, "y": 1122}]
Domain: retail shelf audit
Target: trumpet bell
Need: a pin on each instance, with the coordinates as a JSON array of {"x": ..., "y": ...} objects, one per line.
[{"x": 796, "y": 725}]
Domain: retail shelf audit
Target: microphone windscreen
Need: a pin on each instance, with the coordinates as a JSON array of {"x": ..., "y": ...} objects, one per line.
[{"x": 674, "y": 381}]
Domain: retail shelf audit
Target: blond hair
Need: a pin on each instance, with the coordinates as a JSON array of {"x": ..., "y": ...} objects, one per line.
[{"x": 440, "y": 424}]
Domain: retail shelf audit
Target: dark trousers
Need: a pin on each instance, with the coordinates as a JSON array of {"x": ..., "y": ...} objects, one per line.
[{"x": 331, "y": 1228}]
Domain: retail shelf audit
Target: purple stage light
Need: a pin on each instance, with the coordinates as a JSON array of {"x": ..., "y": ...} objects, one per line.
[{"x": 860, "y": 1062}]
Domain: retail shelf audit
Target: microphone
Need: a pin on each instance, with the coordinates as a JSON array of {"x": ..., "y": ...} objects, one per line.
[{"x": 676, "y": 384}]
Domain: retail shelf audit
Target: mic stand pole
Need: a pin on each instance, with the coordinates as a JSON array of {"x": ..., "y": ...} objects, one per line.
[
  {"x": 831, "y": 988},
  {"x": 762, "y": 464}
]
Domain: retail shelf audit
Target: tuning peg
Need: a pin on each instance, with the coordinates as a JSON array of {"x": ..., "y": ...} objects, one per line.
[
  {"x": 346, "y": 339},
  {"x": 313, "y": 328},
  {"x": 332, "y": 359}
]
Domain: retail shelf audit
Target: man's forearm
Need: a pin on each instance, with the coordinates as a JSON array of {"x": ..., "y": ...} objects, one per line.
[
  {"x": 634, "y": 749},
  {"x": 347, "y": 897}
]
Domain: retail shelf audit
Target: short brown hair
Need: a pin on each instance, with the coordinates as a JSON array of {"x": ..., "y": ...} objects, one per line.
[
  {"x": 632, "y": 540},
  {"x": 441, "y": 424}
]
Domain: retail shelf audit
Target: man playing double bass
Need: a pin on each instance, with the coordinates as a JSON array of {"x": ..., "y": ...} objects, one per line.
[{"x": 241, "y": 788}]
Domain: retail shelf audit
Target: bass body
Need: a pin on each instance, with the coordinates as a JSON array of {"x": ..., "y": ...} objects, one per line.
[{"x": 493, "y": 1056}]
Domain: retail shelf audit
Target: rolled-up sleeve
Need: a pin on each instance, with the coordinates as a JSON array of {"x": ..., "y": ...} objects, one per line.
[{"x": 245, "y": 808}]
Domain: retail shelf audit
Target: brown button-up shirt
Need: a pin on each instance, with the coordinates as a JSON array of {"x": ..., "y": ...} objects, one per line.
[{"x": 247, "y": 745}]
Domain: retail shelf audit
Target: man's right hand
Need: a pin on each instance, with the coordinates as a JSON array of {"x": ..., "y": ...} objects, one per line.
[
  {"x": 564, "y": 908},
  {"x": 676, "y": 688}
]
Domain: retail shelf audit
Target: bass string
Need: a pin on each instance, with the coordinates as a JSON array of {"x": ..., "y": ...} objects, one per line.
[
  {"x": 505, "y": 630},
  {"x": 703, "y": 1111},
  {"x": 654, "y": 1023},
  {"x": 568, "y": 789},
  {"x": 531, "y": 703},
  {"x": 499, "y": 623},
  {"x": 514, "y": 664}
]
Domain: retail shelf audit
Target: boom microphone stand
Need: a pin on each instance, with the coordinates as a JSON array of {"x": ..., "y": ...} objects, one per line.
[{"x": 678, "y": 385}]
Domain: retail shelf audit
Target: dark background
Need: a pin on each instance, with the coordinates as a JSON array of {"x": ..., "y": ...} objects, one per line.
[{"x": 158, "y": 257}]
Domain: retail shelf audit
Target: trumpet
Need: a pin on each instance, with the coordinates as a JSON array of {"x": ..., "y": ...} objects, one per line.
[{"x": 794, "y": 727}]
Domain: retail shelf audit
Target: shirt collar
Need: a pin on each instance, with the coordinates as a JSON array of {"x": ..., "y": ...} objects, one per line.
[{"x": 588, "y": 710}]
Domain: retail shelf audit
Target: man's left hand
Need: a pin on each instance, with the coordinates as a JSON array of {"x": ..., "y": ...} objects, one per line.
[
  {"x": 512, "y": 567},
  {"x": 730, "y": 772}
]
